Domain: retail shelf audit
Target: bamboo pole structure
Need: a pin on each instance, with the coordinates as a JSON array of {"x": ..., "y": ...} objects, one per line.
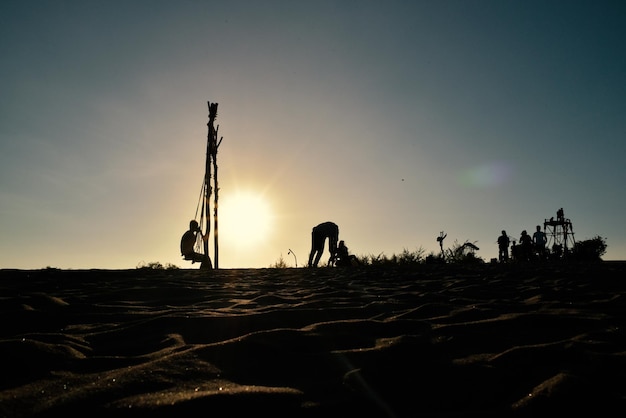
[
  {"x": 208, "y": 190},
  {"x": 211, "y": 163}
]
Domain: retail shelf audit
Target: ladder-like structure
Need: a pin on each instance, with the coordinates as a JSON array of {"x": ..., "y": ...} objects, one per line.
[{"x": 560, "y": 235}]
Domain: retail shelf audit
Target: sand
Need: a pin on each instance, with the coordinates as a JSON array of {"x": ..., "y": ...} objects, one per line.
[{"x": 426, "y": 341}]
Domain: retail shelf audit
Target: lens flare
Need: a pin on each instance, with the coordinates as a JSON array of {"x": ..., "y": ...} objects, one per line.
[{"x": 492, "y": 174}]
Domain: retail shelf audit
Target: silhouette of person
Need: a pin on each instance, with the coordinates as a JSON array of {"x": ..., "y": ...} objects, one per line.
[
  {"x": 503, "y": 247},
  {"x": 440, "y": 239},
  {"x": 343, "y": 258},
  {"x": 560, "y": 216},
  {"x": 318, "y": 237},
  {"x": 187, "y": 244},
  {"x": 526, "y": 245},
  {"x": 539, "y": 240}
]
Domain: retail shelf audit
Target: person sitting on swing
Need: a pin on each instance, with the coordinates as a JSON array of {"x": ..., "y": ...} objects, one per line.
[{"x": 187, "y": 244}]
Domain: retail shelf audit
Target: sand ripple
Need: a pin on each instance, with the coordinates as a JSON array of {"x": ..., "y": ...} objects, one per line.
[{"x": 435, "y": 341}]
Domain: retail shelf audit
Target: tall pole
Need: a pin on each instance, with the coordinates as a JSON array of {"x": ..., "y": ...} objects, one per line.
[
  {"x": 215, "y": 203},
  {"x": 212, "y": 146},
  {"x": 207, "y": 176}
]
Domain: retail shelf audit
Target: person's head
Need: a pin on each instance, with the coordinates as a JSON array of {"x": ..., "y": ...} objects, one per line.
[
  {"x": 503, "y": 232},
  {"x": 524, "y": 232},
  {"x": 193, "y": 225},
  {"x": 538, "y": 228}
]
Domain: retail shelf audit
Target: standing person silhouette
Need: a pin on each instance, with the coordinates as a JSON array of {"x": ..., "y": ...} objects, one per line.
[
  {"x": 318, "y": 237},
  {"x": 187, "y": 244},
  {"x": 539, "y": 240},
  {"x": 503, "y": 247},
  {"x": 526, "y": 245}
]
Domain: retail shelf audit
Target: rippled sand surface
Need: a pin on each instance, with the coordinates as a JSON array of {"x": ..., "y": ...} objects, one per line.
[{"x": 436, "y": 341}]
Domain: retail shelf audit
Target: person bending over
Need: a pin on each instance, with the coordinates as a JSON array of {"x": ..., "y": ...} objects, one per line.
[{"x": 318, "y": 237}]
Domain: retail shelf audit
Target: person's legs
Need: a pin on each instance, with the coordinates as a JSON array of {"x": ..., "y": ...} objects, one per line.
[
  {"x": 312, "y": 253},
  {"x": 204, "y": 260},
  {"x": 317, "y": 247},
  {"x": 504, "y": 254},
  {"x": 320, "y": 251},
  {"x": 332, "y": 244}
]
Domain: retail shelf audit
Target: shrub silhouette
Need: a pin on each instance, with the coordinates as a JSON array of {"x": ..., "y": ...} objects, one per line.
[
  {"x": 589, "y": 250},
  {"x": 279, "y": 264}
]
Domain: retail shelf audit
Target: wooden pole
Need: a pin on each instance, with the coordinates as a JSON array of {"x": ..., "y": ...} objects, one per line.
[
  {"x": 207, "y": 175},
  {"x": 211, "y": 162},
  {"x": 215, "y": 203}
]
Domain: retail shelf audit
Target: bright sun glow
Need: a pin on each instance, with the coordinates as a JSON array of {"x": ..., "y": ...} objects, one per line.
[{"x": 245, "y": 218}]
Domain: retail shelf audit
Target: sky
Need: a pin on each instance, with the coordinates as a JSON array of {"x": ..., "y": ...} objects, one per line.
[{"x": 396, "y": 120}]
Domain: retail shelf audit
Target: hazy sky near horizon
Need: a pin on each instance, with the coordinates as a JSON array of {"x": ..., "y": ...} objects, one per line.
[{"x": 396, "y": 120}]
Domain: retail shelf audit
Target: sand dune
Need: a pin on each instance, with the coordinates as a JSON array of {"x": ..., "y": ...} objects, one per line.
[{"x": 435, "y": 341}]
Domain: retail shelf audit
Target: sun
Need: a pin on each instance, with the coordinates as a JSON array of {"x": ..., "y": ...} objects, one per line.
[{"x": 244, "y": 218}]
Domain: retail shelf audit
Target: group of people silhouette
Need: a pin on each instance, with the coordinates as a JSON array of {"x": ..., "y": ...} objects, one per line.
[
  {"x": 339, "y": 254},
  {"x": 527, "y": 248}
]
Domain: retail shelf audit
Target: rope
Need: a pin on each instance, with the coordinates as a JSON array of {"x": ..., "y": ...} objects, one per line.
[
  {"x": 199, "y": 246},
  {"x": 199, "y": 205}
]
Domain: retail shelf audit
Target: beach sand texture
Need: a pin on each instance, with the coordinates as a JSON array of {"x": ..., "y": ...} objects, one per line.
[{"x": 431, "y": 340}]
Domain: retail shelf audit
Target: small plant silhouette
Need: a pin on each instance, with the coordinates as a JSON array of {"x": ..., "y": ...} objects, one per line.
[
  {"x": 155, "y": 265},
  {"x": 279, "y": 264}
]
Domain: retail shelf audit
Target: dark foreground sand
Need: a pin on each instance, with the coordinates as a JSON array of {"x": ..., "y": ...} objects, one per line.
[{"x": 432, "y": 341}]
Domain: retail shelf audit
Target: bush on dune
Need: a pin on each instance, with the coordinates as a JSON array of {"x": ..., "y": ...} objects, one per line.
[
  {"x": 155, "y": 265},
  {"x": 279, "y": 264},
  {"x": 405, "y": 258},
  {"x": 589, "y": 250}
]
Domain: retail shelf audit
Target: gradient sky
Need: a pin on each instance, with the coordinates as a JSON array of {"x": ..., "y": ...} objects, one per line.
[{"x": 396, "y": 120}]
